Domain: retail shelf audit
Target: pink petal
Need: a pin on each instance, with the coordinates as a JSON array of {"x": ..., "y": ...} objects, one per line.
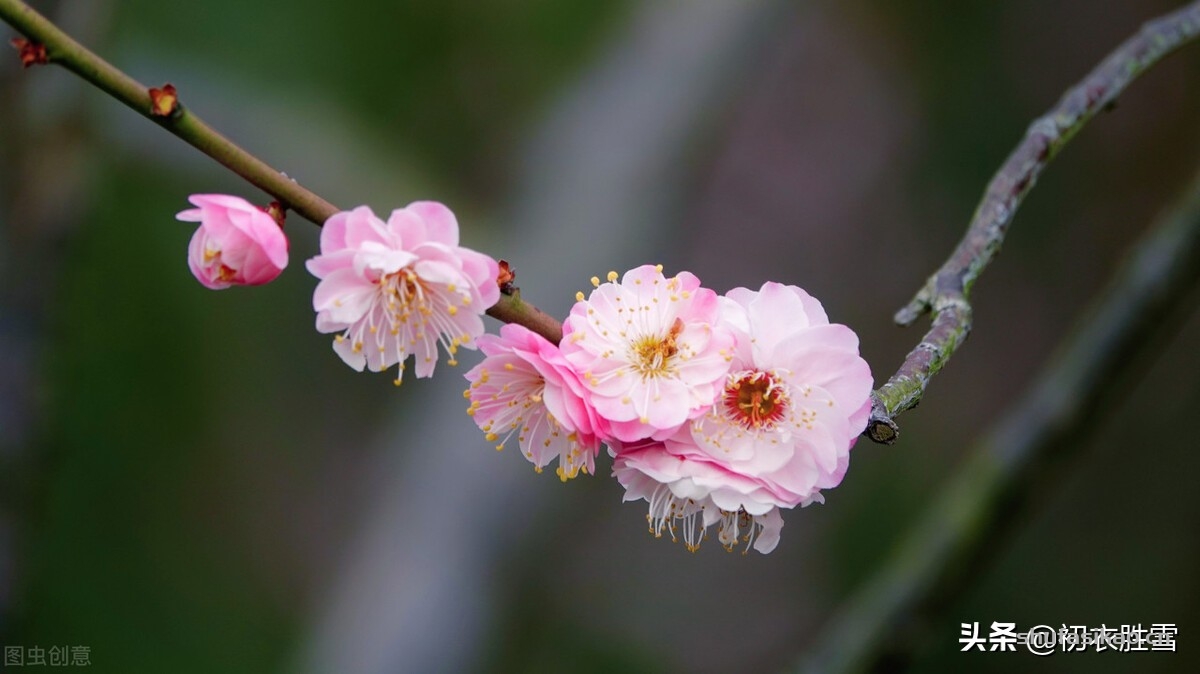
[
  {"x": 440, "y": 224},
  {"x": 483, "y": 272},
  {"x": 343, "y": 296},
  {"x": 409, "y": 227},
  {"x": 345, "y": 349},
  {"x": 776, "y": 313},
  {"x": 324, "y": 265}
]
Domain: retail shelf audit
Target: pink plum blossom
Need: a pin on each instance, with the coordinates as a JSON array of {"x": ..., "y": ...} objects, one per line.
[
  {"x": 390, "y": 289},
  {"x": 648, "y": 350},
  {"x": 526, "y": 388},
  {"x": 237, "y": 243},
  {"x": 794, "y": 400},
  {"x": 688, "y": 494}
]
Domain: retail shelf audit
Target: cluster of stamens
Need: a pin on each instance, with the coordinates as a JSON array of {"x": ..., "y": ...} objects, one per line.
[
  {"x": 683, "y": 519},
  {"x": 407, "y": 312},
  {"x": 520, "y": 412},
  {"x": 224, "y": 272},
  {"x": 755, "y": 400},
  {"x": 655, "y": 355}
]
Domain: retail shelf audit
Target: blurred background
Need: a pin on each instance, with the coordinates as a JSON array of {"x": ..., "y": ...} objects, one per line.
[{"x": 192, "y": 481}]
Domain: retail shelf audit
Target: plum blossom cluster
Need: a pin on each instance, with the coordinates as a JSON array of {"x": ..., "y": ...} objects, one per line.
[{"x": 717, "y": 410}]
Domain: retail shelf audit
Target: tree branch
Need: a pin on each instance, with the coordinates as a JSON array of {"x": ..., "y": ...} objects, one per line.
[
  {"x": 1048, "y": 426},
  {"x": 946, "y": 292},
  {"x": 64, "y": 51}
]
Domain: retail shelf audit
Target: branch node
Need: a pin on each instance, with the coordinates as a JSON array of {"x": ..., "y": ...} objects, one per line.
[
  {"x": 909, "y": 314},
  {"x": 505, "y": 279},
  {"x": 277, "y": 211},
  {"x": 920, "y": 305},
  {"x": 164, "y": 102},
  {"x": 31, "y": 53}
]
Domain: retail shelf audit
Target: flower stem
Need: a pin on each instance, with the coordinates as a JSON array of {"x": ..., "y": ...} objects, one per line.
[{"x": 66, "y": 52}]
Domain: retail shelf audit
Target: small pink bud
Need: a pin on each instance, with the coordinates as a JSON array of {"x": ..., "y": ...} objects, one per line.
[{"x": 237, "y": 242}]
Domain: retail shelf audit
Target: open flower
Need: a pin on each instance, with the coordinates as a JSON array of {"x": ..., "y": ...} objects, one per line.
[
  {"x": 401, "y": 287},
  {"x": 648, "y": 351},
  {"x": 796, "y": 397},
  {"x": 794, "y": 400},
  {"x": 526, "y": 388},
  {"x": 237, "y": 243},
  {"x": 687, "y": 495}
]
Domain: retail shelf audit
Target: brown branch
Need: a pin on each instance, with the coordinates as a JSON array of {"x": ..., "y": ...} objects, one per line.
[
  {"x": 63, "y": 50},
  {"x": 1022, "y": 454},
  {"x": 512, "y": 309},
  {"x": 946, "y": 292}
]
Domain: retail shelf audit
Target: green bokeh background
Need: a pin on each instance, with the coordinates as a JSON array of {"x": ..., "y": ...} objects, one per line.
[{"x": 196, "y": 461}]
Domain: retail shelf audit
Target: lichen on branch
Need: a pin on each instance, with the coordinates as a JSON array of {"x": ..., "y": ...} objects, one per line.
[
  {"x": 945, "y": 294},
  {"x": 941, "y": 552}
]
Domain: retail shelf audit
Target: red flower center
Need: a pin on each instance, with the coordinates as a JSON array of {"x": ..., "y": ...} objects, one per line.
[{"x": 754, "y": 399}]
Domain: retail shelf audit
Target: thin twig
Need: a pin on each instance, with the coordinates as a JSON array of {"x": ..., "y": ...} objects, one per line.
[
  {"x": 1044, "y": 430},
  {"x": 946, "y": 292},
  {"x": 66, "y": 52}
]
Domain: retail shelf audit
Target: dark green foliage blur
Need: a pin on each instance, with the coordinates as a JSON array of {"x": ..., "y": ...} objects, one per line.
[
  {"x": 202, "y": 461},
  {"x": 178, "y": 421},
  {"x": 453, "y": 82}
]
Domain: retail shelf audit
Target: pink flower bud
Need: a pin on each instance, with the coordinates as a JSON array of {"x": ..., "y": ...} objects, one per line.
[{"x": 237, "y": 242}]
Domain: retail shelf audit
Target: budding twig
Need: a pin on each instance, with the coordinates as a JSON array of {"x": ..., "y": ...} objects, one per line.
[
  {"x": 163, "y": 107},
  {"x": 946, "y": 293},
  {"x": 66, "y": 52}
]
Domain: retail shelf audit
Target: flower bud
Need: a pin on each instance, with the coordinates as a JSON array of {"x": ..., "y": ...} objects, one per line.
[{"x": 237, "y": 243}]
